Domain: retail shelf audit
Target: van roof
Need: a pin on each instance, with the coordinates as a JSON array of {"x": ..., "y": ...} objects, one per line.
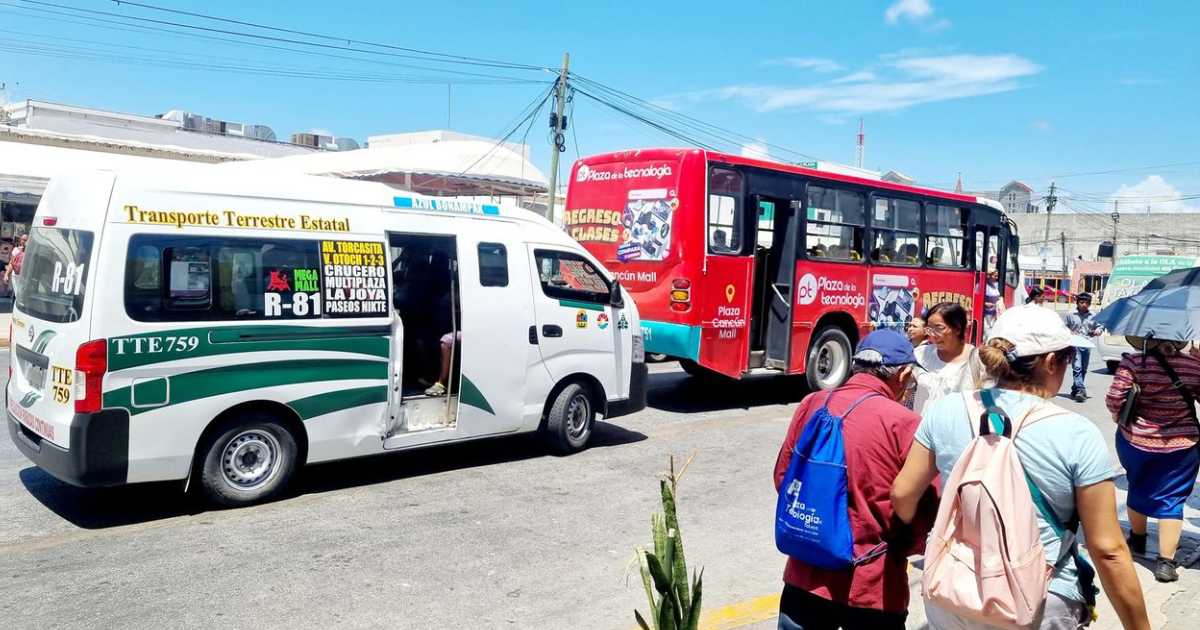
[{"x": 209, "y": 179}]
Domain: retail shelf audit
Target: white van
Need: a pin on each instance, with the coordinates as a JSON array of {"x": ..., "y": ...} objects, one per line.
[{"x": 198, "y": 325}]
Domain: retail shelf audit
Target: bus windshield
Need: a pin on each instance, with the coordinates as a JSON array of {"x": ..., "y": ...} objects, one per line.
[{"x": 53, "y": 277}]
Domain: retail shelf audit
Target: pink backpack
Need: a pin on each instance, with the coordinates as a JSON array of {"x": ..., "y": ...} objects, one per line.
[{"x": 985, "y": 560}]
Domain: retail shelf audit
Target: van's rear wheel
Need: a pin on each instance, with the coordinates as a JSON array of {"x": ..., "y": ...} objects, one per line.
[
  {"x": 249, "y": 459},
  {"x": 569, "y": 422},
  {"x": 828, "y": 363}
]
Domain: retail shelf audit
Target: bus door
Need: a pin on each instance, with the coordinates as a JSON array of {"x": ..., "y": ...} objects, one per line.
[
  {"x": 727, "y": 288},
  {"x": 989, "y": 258},
  {"x": 778, "y": 204}
]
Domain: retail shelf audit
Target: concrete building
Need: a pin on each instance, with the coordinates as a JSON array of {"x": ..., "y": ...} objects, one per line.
[
  {"x": 1077, "y": 236},
  {"x": 1017, "y": 198}
]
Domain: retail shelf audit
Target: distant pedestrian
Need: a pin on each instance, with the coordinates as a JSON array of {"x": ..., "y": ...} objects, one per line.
[
  {"x": 877, "y": 432},
  {"x": 946, "y": 364},
  {"x": 16, "y": 258},
  {"x": 1063, "y": 455},
  {"x": 916, "y": 331},
  {"x": 993, "y": 300},
  {"x": 1158, "y": 444},
  {"x": 1036, "y": 296},
  {"x": 1080, "y": 322}
]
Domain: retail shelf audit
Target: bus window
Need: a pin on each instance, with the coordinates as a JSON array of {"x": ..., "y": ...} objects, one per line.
[
  {"x": 944, "y": 237},
  {"x": 725, "y": 224},
  {"x": 896, "y": 224},
  {"x": 766, "y": 223},
  {"x": 836, "y": 220}
]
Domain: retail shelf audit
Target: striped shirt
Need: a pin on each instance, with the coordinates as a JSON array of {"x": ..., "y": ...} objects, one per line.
[{"x": 1162, "y": 421}]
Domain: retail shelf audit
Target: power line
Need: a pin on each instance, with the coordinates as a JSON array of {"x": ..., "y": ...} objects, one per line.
[
  {"x": 460, "y": 58},
  {"x": 427, "y": 56},
  {"x": 695, "y": 124}
]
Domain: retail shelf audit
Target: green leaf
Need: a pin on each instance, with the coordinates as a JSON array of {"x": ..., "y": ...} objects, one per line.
[
  {"x": 677, "y": 564},
  {"x": 647, "y": 582},
  {"x": 666, "y": 615},
  {"x": 659, "y": 529},
  {"x": 640, "y": 622},
  {"x": 662, "y": 583},
  {"x": 693, "y": 618}
]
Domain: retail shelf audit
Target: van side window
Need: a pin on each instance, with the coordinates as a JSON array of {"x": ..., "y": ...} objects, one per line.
[
  {"x": 569, "y": 276},
  {"x": 204, "y": 278},
  {"x": 493, "y": 265}
]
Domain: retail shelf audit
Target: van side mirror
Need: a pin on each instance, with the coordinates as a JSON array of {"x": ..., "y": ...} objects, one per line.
[{"x": 614, "y": 297}]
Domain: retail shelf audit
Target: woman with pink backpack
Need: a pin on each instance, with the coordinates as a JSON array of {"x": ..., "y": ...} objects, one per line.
[{"x": 1019, "y": 475}]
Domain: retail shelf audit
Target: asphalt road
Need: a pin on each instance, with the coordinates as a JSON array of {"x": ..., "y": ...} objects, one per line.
[{"x": 493, "y": 534}]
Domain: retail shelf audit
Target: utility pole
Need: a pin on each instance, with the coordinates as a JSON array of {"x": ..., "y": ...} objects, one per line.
[
  {"x": 1050, "y": 201},
  {"x": 1062, "y": 243},
  {"x": 1116, "y": 217},
  {"x": 860, "y": 147},
  {"x": 557, "y": 139}
]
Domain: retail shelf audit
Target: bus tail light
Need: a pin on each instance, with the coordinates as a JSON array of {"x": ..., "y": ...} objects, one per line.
[
  {"x": 91, "y": 362},
  {"x": 681, "y": 294}
]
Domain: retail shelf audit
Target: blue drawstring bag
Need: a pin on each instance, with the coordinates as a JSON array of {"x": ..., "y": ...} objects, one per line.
[{"x": 812, "y": 517}]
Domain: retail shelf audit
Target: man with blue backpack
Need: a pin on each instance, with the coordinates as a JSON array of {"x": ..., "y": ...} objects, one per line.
[{"x": 847, "y": 555}]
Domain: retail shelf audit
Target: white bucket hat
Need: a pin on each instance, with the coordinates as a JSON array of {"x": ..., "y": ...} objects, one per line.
[{"x": 1035, "y": 330}]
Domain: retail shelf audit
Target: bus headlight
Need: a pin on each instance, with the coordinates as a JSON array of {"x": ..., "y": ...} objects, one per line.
[{"x": 639, "y": 350}]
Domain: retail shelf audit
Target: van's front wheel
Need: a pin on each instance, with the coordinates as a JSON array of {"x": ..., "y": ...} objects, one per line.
[
  {"x": 569, "y": 422},
  {"x": 249, "y": 459}
]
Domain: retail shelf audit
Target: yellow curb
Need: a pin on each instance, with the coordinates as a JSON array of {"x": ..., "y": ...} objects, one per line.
[{"x": 741, "y": 614}]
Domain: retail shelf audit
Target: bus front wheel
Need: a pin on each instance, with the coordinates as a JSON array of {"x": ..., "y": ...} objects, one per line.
[
  {"x": 828, "y": 363},
  {"x": 248, "y": 459}
]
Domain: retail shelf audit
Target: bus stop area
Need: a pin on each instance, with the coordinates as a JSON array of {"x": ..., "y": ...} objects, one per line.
[{"x": 491, "y": 534}]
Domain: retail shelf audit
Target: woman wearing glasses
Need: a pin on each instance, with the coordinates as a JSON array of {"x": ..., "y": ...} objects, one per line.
[{"x": 947, "y": 363}]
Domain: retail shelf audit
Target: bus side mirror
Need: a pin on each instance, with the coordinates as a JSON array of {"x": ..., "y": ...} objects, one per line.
[{"x": 614, "y": 297}]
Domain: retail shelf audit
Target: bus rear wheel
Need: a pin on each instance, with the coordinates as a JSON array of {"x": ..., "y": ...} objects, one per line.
[
  {"x": 828, "y": 363},
  {"x": 248, "y": 459}
]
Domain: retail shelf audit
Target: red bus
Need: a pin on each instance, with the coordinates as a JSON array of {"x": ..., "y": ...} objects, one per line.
[{"x": 741, "y": 265}]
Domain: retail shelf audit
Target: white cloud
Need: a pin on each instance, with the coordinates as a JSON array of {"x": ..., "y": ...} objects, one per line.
[
  {"x": 856, "y": 77},
  {"x": 907, "y": 9},
  {"x": 1153, "y": 192},
  {"x": 816, "y": 64},
  {"x": 1042, "y": 125},
  {"x": 756, "y": 150},
  {"x": 899, "y": 82}
]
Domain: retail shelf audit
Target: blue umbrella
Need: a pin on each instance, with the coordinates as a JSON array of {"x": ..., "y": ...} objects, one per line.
[{"x": 1167, "y": 308}]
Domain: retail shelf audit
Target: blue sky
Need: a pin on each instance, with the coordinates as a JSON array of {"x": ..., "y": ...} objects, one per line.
[{"x": 994, "y": 90}]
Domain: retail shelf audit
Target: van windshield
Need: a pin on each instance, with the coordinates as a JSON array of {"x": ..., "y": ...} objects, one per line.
[{"x": 53, "y": 274}]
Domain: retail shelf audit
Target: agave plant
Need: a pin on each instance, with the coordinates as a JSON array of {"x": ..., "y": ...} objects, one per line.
[{"x": 673, "y": 605}]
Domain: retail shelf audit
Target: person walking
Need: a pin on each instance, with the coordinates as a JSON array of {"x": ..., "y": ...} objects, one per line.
[
  {"x": 993, "y": 300},
  {"x": 1157, "y": 444},
  {"x": 1063, "y": 455},
  {"x": 947, "y": 363},
  {"x": 877, "y": 433},
  {"x": 1080, "y": 322}
]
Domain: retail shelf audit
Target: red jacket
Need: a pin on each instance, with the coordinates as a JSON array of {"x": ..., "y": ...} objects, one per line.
[{"x": 877, "y": 436}]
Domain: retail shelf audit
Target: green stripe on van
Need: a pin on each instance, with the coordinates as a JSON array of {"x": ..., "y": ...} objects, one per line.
[
  {"x": 338, "y": 400},
  {"x": 588, "y": 306},
  {"x": 172, "y": 345},
  {"x": 211, "y": 382},
  {"x": 469, "y": 394}
]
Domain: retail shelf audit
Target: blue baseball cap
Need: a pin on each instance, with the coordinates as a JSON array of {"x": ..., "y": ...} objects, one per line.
[{"x": 886, "y": 347}]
